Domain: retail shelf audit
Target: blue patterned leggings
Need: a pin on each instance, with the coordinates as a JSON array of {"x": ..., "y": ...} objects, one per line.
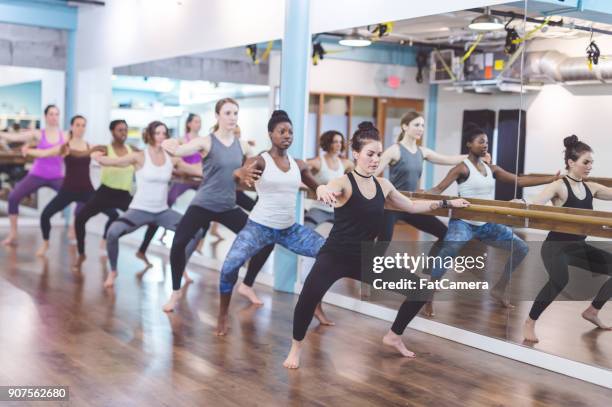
[{"x": 254, "y": 236}]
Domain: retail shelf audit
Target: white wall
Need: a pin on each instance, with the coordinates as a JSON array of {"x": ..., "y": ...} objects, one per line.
[
  {"x": 53, "y": 83},
  {"x": 132, "y": 31}
]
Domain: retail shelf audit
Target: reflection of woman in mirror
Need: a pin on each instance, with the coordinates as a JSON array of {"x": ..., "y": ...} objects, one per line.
[
  {"x": 476, "y": 179},
  {"x": 405, "y": 160},
  {"x": 45, "y": 172},
  {"x": 561, "y": 250},
  {"x": 326, "y": 167}
]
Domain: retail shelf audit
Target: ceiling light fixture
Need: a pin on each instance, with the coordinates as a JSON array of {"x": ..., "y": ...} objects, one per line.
[
  {"x": 354, "y": 39},
  {"x": 486, "y": 22}
]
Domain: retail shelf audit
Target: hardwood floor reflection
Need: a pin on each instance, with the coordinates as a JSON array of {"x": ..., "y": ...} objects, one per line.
[{"x": 118, "y": 347}]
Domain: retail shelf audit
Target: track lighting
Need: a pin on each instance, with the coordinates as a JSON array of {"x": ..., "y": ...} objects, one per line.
[
  {"x": 354, "y": 39},
  {"x": 486, "y": 22}
]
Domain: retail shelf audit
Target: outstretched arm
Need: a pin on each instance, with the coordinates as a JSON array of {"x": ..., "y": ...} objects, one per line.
[
  {"x": 124, "y": 161},
  {"x": 389, "y": 156},
  {"x": 442, "y": 159},
  {"x": 547, "y": 194},
  {"x": 398, "y": 201},
  {"x": 307, "y": 177},
  {"x": 192, "y": 170},
  {"x": 199, "y": 144},
  {"x": 600, "y": 191},
  {"x": 250, "y": 171},
  {"x": 22, "y": 136},
  {"x": 57, "y": 150},
  {"x": 453, "y": 175},
  {"x": 522, "y": 180}
]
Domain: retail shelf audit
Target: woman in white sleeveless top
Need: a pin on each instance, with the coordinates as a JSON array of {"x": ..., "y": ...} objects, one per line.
[
  {"x": 476, "y": 179},
  {"x": 325, "y": 167},
  {"x": 149, "y": 205},
  {"x": 277, "y": 178}
]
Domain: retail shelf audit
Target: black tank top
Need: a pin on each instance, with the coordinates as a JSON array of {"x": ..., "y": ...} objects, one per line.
[
  {"x": 573, "y": 202},
  {"x": 77, "y": 174},
  {"x": 358, "y": 220}
]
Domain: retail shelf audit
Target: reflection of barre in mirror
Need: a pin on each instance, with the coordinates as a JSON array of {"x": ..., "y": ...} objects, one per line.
[{"x": 476, "y": 179}]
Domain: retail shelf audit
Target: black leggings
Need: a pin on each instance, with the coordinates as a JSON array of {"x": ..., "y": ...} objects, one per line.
[
  {"x": 242, "y": 200},
  {"x": 557, "y": 256},
  {"x": 196, "y": 218},
  {"x": 103, "y": 200},
  {"x": 426, "y": 223},
  {"x": 331, "y": 267},
  {"x": 61, "y": 201}
]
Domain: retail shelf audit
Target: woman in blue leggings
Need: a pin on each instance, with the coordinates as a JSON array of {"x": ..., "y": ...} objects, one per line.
[
  {"x": 277, "y": 178},
  {"x": 476, "y": 179}
]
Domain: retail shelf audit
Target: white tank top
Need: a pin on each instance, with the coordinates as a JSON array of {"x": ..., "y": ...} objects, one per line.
[
  {"x": 477, "y": 186},
  {"x": 325, "y": 175},
  {"x": 277, "y": 194},
  {"x": 152, "y": 185}
]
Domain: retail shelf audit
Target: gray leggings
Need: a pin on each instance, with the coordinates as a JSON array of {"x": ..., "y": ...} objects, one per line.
[{"x": 135, "y": 218}]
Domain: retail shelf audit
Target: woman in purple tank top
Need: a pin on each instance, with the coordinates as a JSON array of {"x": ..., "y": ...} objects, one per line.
[{"x": 45, "y": 172}]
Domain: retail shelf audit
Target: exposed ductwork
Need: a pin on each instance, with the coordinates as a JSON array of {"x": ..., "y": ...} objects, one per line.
[{"x": 556, "y": 67}]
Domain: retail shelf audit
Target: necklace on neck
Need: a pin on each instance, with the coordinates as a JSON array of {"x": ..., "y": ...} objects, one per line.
[
  {"x": 573, "y": 179},
  {"x": 362, "y": 176}
]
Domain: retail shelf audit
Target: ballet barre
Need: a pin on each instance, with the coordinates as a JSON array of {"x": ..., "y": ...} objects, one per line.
[
  {"x": 568, "y": 220},
  {"x": 13, "y": 158}
]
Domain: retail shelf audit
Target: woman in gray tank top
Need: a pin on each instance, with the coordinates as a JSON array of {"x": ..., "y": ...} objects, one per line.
[
  {"x": 215, "y": 200},
  {"x": 405, "y": 160}
]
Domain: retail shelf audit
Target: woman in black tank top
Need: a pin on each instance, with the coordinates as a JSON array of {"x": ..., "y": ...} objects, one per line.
[
  {"x": 359, "y": 200},
  {"x": 561, "y": 250}
]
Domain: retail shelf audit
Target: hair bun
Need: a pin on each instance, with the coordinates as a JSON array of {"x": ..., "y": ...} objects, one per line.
[
  {"x": 570, "y": 141},
  {"x": 471, "y": 126},
  {"x": 366, "y": 126},
  {"x": 279, "y": 113}
]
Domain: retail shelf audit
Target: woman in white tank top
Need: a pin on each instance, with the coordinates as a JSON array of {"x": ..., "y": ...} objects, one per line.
[
  {"x": 149, "y": 205},
  {"x": 476, "y": 179},
  {"x": 325, "y": 167},
  {"x": 277, "y": 178}
]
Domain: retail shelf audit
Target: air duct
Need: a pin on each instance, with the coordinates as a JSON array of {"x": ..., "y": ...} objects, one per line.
[{"x": 556, "y": 67}]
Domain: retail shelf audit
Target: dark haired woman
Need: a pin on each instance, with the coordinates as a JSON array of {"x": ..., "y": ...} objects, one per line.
[
  {"x": 215, "y": 199},
  {"x": 45, "y": 172},
  {"x": 153, "y": 168},
  {"x": 76, "y": 186},
  {"x": 561, "y": 250},
  {"x": 193, "y": 124},
  {"x": 359, "y": 199},
  {"x": 114, "y": 190},
  {"x": 326, "y": 167},
  {"x": 405, "y": 160},
  {"x": 277, "y": 178},
  {"x": 476, "y": 179}
]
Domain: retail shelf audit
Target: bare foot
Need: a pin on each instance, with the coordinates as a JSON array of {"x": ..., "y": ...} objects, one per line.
[
  {"x": 110, "y": 279},
  {"x": 249, "y": 293},
  {"x": 320, "y": 315},
  {"x": 428, "y": 309},
  {"x": 500, "y": 296},
  {"x": 293, "y": 358},
  {"x": 78, "y": 262},
  {"x": 529, "y": 331},
  {"x": 221, "y": 325},
  {"x": 10, "y": 240},
  {"x": 188, "y": 280},
  {"x": 42, "y": 250},
  {"x": 142, "y": 256},
  {"x": 199, "y": 246},
  {"x": 592, "y": 315},
  {"x": 395, "y": 341},
  {"x": 172, "y": 302}
]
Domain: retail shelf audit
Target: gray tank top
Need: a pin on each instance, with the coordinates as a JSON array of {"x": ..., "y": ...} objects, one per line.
[
  {"x": 217, "y": 192},
  {"x": 405, "y": 174}
]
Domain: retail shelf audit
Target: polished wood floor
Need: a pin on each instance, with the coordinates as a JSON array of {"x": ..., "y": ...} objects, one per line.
[
  {"x": 561, "y": 329},
  {"x": 117, "y": 348}
]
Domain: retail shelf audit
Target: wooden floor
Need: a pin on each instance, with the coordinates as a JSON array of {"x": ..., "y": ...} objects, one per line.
[
  {"x": 561, "y": 329},
  {"x": 117, "y": 348}
]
